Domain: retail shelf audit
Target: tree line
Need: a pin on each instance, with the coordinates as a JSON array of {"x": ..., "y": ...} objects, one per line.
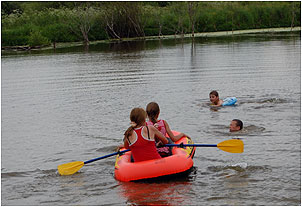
[{"x": 45, "y": 23}]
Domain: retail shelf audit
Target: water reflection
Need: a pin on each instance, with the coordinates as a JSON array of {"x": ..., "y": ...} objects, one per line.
[
  {"x": 136, "y": 46},
  {"x": 156, "y": 194}
]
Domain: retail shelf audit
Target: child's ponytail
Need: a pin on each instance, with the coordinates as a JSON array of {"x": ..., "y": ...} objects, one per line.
[
  {"x": 128, "y": 132},
  {"x": 137, "y": 117},
  {"x": 152, "y": 119}
]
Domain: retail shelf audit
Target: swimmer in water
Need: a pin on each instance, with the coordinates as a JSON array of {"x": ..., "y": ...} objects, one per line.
[
  {"x": 214, "y": 98},
  {"x": 236, "y": 125}
]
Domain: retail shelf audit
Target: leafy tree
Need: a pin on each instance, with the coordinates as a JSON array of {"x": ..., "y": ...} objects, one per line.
[
  {"x": 178, "y": 9},
  {"x": 80, "y": 20},
  {"x": 149, "y": 22},
  {"x": 123, "y": 19},
  {"x": 37, "y": 39},
  {"x": 295, "y": 13},
  {"x": 10, "y": 7},
  {"x": 65, "y": 21},
  {"x": 192, "y": 10}
]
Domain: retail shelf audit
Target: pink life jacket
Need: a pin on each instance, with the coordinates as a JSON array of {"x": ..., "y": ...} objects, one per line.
[
  {"x": 161, "y": 126},
  {"x": 163, "y": 151}
]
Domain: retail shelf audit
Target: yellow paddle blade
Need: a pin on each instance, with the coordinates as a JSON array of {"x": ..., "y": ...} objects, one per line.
[
  {"x": 70, "y": 168},
  {"x": 232, "y": 146}
]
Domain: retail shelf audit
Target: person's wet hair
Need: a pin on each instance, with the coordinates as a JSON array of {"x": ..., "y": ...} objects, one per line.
[
  {"x": 238, "y": 123},
  {"x": 215, "y": 93}
]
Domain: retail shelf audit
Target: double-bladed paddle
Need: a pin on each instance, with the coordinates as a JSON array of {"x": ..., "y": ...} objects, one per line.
[{"x": 232, "y": 146}]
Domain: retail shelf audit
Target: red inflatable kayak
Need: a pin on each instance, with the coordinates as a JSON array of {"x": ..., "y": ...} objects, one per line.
[{"x": 180, "y": 161}]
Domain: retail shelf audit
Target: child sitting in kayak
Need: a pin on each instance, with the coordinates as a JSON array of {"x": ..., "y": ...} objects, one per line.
[
  {"x": 214, "y": 98},
  {"x": 153, "y": 111},
  {"x": 140, "y": 139}
]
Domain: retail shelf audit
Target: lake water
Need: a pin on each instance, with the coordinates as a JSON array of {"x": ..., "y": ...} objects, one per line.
[{"x": 74, "y": 104}]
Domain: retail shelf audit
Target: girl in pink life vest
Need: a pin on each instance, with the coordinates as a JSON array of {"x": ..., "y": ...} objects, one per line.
[
  {"x": 140, "y": 139},
  {"x": 153, "y": 113}
]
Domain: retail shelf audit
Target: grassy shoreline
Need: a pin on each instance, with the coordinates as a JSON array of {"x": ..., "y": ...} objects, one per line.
[{"x": 203, "y": 34}]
